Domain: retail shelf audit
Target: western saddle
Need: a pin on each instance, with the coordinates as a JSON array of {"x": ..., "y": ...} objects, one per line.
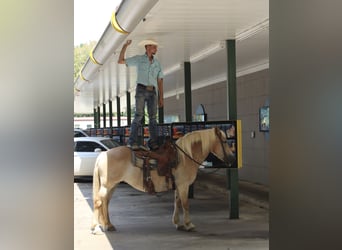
[{"x": 163, "y": 160}]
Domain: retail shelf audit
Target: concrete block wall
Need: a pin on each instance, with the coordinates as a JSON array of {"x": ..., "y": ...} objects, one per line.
[{"x": 252, "y": 93}]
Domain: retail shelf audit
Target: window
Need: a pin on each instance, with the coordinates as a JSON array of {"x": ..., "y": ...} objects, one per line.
[
  {"x": 87, "y": 146},
  {"x": 110, "y": 143},
  {"x": 78, "y": 134}
]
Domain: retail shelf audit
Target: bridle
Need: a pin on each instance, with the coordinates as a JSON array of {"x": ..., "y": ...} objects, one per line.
[
  {"x": 225, "y": 156},
  {"x": 187, "y": 155}
]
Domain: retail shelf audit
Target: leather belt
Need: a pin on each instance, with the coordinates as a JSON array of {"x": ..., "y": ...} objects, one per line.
[{"x": 148, "y": 88}]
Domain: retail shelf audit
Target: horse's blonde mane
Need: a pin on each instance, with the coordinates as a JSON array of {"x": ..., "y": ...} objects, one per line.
[{"x": 205, "y": 137}]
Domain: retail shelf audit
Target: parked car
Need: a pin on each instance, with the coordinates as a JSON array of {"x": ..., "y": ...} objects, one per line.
[
  {"x": 86, "y": 150},
  {"x": 80, "y": 133}
]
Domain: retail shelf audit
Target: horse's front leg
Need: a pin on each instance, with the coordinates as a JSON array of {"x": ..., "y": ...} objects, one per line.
[
  {"x": 177, "y": 205},
  {"x": 183, "y": 196}
]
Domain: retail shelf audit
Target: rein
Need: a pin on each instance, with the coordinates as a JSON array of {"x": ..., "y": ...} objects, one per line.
[{"x": 187, "y": 155}]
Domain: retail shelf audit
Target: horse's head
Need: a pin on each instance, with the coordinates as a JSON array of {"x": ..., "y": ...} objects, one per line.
[{"x": 221, "y": 148}]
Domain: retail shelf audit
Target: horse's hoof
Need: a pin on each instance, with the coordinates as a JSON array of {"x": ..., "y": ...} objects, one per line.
[
  {"x": 97, "y": 230},
  {"x": 111, "y": 228},
  {"x": 180, "y": 228},
  {"x": 190, "y": 227}
]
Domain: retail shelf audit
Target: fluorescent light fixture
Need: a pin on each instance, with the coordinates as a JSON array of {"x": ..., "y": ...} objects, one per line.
[
  {"x": 207, "y": 51},
  {"x": 173, "y": 69},
  {"x": 253, "y": 30}
]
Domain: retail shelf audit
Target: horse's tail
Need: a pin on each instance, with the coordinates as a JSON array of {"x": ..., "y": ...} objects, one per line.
[{"x": 96, "y": 184}]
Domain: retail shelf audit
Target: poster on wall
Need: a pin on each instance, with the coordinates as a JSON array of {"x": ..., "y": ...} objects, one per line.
[{"x": 264, "y": 119}]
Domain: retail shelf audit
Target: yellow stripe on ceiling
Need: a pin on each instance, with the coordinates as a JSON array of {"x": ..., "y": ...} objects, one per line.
[
  {"x": 116, "y": 25},
  {"x": 83, "y": 78},
  {"x": 92, "y": 58}
]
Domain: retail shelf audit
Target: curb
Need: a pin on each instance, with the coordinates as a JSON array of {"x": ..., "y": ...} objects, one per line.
[{"x": 252, "y": 193}]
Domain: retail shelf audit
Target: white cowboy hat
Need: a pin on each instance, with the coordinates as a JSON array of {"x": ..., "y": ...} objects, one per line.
[{"x": 143, "y": 43}]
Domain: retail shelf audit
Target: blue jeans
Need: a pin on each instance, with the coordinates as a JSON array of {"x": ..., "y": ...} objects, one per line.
[{"x": 150, "y": 97}]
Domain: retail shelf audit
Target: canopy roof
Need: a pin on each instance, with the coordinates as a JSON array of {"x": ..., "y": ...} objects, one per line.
[{"x": 187, "y": 31}]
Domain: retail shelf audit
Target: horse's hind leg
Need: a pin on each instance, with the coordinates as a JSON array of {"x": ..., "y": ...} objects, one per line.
[
  {"x": 101, "y": 215},
  {"x": 107, "y": 224},
  {"x": 97, "y": 214}
]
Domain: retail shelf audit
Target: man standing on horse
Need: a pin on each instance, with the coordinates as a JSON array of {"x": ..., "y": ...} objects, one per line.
[{"x": 149, "y": 81}]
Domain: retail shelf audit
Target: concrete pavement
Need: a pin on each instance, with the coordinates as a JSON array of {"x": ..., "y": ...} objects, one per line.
[{"x": 144, "y": 221}]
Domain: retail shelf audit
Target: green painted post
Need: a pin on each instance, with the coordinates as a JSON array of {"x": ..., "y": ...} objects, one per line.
[
  {"x": 232, "y": 173},
  {"x": 232, "y": 109},
  {"x": 95, "y": 118},
  {"x": 118, "y": 111},
  {"x": 110, "y": 107},
  {"x": 187, "y": 91},
  {"x": 128, "y": 104},
  {"x": 161, "y": 115},
  {"x": 188, "y": 105},
  {"x": 98, "y": 120},
  {"x": 234, "y": 193},
  {"x": 104, "y": 115}
]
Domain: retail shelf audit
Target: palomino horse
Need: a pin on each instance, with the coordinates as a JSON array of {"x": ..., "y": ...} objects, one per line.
[{"x": 115, "y": 166}]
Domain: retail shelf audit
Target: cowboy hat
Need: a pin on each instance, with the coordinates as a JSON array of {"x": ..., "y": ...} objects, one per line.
[{"x": 148, "y": 42}]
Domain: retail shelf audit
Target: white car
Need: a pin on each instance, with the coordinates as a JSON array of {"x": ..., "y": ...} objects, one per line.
[{"x": 86, "y": 150}]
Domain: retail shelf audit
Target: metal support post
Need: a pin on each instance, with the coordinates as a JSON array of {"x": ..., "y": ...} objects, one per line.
[
  {"x": 232, "y": 173},
  {"x": 187, "y": 91},
  {"x": 110, "y": 104},
  {"x": 98, "y": 120},
  {"x": 118, "y": 111},
  {"x": 188, "y": 106},
  {"x": 104, "y": 115},
  {"x": 161, "y": 115},
  {"x": 129, "y": 113},
  {"x": 95, "y": 118}
]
